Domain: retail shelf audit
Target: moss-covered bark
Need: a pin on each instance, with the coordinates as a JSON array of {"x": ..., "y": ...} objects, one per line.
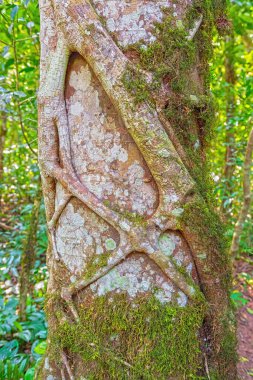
[
  {"x": 138, "y": 289},
  {"x": 121, "y": 342}
]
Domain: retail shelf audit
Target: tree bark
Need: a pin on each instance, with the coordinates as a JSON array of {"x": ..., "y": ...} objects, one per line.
[
  {"x": 139, "y": 278},
  {"x": 230, "y": 155}
]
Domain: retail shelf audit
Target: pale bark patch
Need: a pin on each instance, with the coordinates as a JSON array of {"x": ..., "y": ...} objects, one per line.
[
  {"x": 104, "y": 155},
  {"x": 81, "y": 236},
  {"x": 131, "y": 22}
]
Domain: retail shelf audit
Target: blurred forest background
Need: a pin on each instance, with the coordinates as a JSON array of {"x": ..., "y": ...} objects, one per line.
[{"x": 23, "y": 239}]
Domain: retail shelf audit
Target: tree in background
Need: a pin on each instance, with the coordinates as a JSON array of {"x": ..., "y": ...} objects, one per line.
[
  {"x": 139, "y": 274},
  {"x": 245, "y": 208},
  {"x": 21, "y": 341},
  {"x": 29, "y": 257},
  {"x": 232, "y": 87}
]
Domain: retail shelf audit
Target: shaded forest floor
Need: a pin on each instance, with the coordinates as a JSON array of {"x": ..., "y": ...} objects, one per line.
[{"x": 244, "y": 286}]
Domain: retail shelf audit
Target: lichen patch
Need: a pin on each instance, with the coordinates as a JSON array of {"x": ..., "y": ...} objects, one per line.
[
  {"x": 131, "y": 22},
  {"x": 105, "y": 157},
  {"x": 136, "y": 276},
  {"x": 81, "y": 235}
]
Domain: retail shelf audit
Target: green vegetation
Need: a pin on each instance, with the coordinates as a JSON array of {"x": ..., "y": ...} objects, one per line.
[
  {"x": 229, "y": 190},
  {"x": 21, "y": 342}
]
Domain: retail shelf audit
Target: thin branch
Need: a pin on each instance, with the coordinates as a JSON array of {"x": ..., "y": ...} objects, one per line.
[
  {"x": 66, "y": 363},
  {"x": 4, "y": 226},
  {"x": 5, "y": 17},
  {"x": 5, "y": 43},
  {"x": 62, "y": 374},
  {"x": 27, "y": 99},
  {"x": 206, "y": 368},
  {"x": 17, "y": 89},
  {"x": 28, "y": 38}
]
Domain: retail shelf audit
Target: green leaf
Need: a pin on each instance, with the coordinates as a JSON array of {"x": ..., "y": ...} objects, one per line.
[
  {"x": 14, "y": 11},
  {"x": 29, "y": 374},
  {"x": 9, "y": 350},
  {"x": 41, "y": 348},
  {"x": 20, "y": 94},
  {"x": 238, "y": 299},
  {"x": 18, "y": 326},
  {"x": 9, "y": 63},
  {"x": 24, "y": 335}
]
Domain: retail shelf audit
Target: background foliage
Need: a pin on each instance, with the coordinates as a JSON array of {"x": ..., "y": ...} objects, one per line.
[
  {"x": 22, "y": 340},
  {"x": 241, "y": 56}
]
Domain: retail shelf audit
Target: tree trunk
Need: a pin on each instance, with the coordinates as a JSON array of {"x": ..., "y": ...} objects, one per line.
[
  {"x": 139, "y": 275},
  {"x": 230, "y": 155},
  {"x": 3, "y": 131},
  {"x": 28, "y": 255},
  {"x": 245, "y": 208}
]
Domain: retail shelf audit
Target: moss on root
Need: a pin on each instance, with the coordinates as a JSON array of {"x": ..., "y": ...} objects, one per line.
[
  {"x": 200, "y": 220},
  {"x": 229, "y": 341},
  {"x": 204, "y": 221},
  {"x": 144, "y": 340}
]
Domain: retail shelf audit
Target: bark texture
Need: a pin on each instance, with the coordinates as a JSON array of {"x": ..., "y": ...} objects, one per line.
[
  {"x": 139, "y": 278},
  {"x": 230, "y": 155}
]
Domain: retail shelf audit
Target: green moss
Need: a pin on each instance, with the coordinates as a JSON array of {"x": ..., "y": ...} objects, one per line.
[
  {"x": 204, "y": 222},
  {"x": 107, "y": 203},
  {"x": 147, "y": 340},
  {"x": 163, "y": 58},
  {"x": 135, "y": 83},
  {"x": 135, "y": 218},
  {"x": 98, "y": 262},
  {"x": 186, "y": 100},
  {"x": 229, "y": 341}
]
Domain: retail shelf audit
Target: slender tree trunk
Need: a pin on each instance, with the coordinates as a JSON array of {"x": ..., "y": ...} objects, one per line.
[
  {"x": 230, "y": 155},
  {"x": 139, "y": 276},
  {"x": 3, "y": 131},
  {"x": 28, "y": 256},
  {"x": 245, "y": 209}
]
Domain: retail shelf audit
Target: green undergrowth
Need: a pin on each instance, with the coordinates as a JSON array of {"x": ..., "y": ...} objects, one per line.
[{"x": 144, "y": 340}]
